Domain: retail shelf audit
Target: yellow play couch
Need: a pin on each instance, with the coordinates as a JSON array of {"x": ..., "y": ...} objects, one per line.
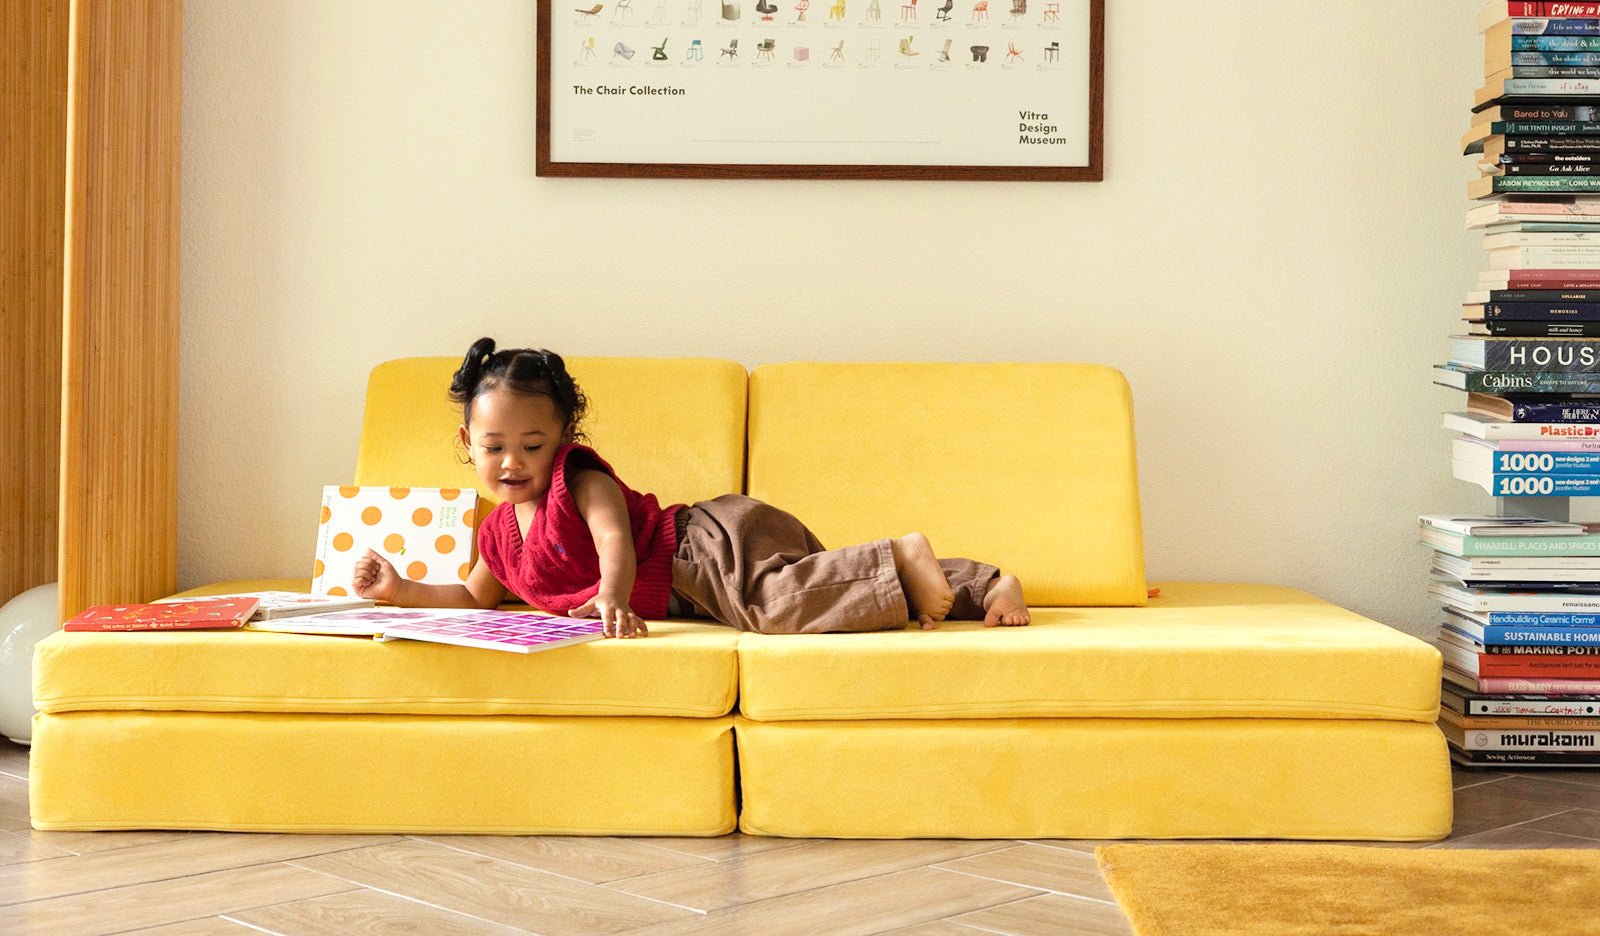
[{"x": 1212, "y": 710}]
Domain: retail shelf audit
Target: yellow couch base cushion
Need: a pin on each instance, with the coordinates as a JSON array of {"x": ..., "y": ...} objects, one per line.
[
  {"x": 1095, "y": 778},
  {"x": 1028, "y": 466},
  {"x": 684, "y": 669},
  {"x": 377, "y": 773},
  {"x": 1199, "y": 650}
]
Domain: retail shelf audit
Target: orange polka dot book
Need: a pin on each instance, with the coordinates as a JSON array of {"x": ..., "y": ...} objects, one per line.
[{"x": 427, "y": 534}]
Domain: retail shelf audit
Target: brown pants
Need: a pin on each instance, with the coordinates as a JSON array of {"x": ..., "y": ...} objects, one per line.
[{"x": 757, "y": 568}]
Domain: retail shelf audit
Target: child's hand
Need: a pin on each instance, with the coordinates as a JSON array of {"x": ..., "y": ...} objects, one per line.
[
  {"x": 618, "y": 618},
  {"x": 375, "y": 578}
]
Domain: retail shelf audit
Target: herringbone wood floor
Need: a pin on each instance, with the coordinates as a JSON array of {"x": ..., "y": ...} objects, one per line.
[{"x": 216, "y": 884}]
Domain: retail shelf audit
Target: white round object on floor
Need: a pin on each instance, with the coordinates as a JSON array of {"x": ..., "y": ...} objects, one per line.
[{"x": 24, "y": 621}]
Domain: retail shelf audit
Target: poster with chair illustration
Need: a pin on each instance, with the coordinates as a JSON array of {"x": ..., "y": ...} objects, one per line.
[{"x": 903, "y": 91}]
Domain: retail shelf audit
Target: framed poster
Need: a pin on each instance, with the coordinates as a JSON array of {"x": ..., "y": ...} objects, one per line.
[{"x": 842, "y": 89}]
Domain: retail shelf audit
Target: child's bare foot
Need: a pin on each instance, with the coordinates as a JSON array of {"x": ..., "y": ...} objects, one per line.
[
  {"x": 1004, "y": 605},
  {"x": 927, "y": 591}
]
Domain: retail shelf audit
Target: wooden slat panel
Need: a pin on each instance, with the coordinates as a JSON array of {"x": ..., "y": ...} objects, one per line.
[
  {"x": 33, "y": 124},
  {"x": 119, "y": 429}
]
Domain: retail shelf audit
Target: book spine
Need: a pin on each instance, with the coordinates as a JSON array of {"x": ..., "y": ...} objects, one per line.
[
  {"x": 1518, "y": 685},
  {"x": 1491, "y": 381},
  {"x": 1526, "y": 723},
  {"x": 1551, "y": 741},
  {"x": 1538, "y": 127},
  {"x": 1535, "y": 650},
  {"x": 1555, "y": 44},
  {"x": 1546, "y": 485},
  {"x": 1553, "y": 57},
  {"x": 1554, "y": 86},
  {"x": 1526, "y": 758},
  {"x": 1565, "y": 638},
  {"x": 1526, "y": 666},
  {"x": 1539, "y": 463},
  {"x": 1532, "y": 354},
  {"x": 1545, "y": 184},
  {"x": 1523, "y": 8},
  {"x": 1538, "y": 619},
  {"x": 1547, "y": 144},
  {"x": 1540, "y": 311},
  {"x": 1547, "y": 26},
  {"x": 1490, "y": 706},
  {"x": 1546, "y": 170},
  {"x": 1524, "y": 328},
  {"x": 1549, "y": 281},
  {"x": 1519, "y": 72},
  {"x": 1500, "y": 546}
]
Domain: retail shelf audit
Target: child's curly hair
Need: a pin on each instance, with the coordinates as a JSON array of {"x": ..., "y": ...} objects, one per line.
[{"x": 530, "y": 371}]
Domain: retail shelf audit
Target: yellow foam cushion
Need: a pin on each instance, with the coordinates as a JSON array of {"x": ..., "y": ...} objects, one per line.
[
  {"x": 1027, "y": 466},
  {"x": 673, "y": 427},
  {"x": 382, "y": 773},
  {"x": 1200, "y": 650},
  {"x": 1095, "y": 778},
  {"x": 683, "y": 669}
]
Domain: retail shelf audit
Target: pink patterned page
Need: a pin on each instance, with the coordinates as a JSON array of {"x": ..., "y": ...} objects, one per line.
[{"x": 516, "y": 631}]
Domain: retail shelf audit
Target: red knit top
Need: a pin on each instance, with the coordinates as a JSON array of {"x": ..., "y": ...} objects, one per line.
[{"x": 558, "y": 568}]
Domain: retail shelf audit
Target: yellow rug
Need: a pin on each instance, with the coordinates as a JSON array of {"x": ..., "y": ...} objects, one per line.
[{"x": 1344, "y": 890}]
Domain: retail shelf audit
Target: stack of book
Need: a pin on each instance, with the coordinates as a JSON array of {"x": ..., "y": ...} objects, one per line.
[
  {"x": 1520, "y": 637},
  {"x": 1529, "y": 355}
]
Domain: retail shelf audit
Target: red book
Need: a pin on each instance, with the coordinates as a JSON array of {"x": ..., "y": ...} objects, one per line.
[
  {"x": 1540, "y": 279},
  {"x": 194, "y": 614},
  {"x": 1537, "y": 666}
]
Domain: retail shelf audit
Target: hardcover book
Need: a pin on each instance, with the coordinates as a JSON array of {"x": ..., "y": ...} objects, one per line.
[
  {"x": 281, "y": 604},
  {"x": 426, "y": 533},
  {"x": 1534, "y": 355},
  {"x": 1470, "y": 704},
  {"x": 1474, "y": 380},
  {"x": 1489, "y": 429},
  {"x": 190, "y": 614}
]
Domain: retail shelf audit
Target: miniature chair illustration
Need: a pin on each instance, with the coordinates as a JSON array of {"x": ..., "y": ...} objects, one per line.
[
  {"x": 943, "y": 14},
  {"x": 624, "y": 8},
  {"x": 873, "y": 12},
  {"x": 837, "y": 55},
  {"x": 766, "y": 8},
  {"x": 693, "y": 11},
  {"x": 802, "y": 53},
  {"x": 980, "y": 10},
  {"x": 588, "y": 48},
  {"x": 905, "y": 47},
  {"x": 836, "y": 12},
  {"x": 801, "y": 8},
  {"x": 659, "y": 53},
  {"x": 944, "y": 53},
  {"x": 1052, "y": 13},
  {"x": 1019, "y": 9},
  {"x": 1012, "y": 52},
  {"x": 1052, "y": 52},
  {"x": 592, "y": 12},
  {"x": 622, "y": 50},
  {"x": 872, "y": 51},
  {"x": 980, "y": 53},
  {"x": 659, "y": 14},
  {"x": 730, "y": 10},
  {"x": 908, "y": 11},
  {"x": 695, "y": 54},
  {"x": 732, "y": 51},
  {"x": 765, "y": 48}
]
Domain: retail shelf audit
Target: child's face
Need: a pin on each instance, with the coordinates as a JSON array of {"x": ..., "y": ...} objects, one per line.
[{"x": 513, "y": 439}]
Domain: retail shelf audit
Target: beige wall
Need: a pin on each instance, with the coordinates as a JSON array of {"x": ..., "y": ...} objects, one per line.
[{"x": 1274, "y": 259}]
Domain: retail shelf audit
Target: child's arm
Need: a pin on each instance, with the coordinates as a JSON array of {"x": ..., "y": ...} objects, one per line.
[
  {"x": 600, "y": 503},
  {"x": 376, "y": 578}
]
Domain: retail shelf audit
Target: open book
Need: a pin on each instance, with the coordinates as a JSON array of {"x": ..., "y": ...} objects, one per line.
[{"x": 514, "y": 631}]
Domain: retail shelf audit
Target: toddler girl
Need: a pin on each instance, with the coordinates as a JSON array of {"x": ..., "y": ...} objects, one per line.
[{"x": 569, "y": 537}]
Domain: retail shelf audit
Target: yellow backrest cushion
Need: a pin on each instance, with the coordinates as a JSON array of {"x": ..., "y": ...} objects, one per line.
[
  {"x": 671, "y": 426},
  {"x": 1028, "y": 466}
]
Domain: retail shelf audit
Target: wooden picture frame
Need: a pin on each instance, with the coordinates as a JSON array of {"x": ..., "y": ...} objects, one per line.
[{"x": 730, "y": 89}]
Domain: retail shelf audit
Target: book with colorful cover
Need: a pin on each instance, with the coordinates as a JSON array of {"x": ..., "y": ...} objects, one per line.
[
  {"x": 1475, "y": 380},
  {"x": 1487, "y": 432},
  {"x": 1530, "y": 409},
  {"x": 514, "y": 631},
  {"x": 426, "y": 533},
  {"x": 1504, "y": 685},
  {"x": 1502, "y": 484},
  {"x": 186, "y": 614},
  {"x": 1461, "y": 654},
  {"x": 1457, "y": 544}
]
